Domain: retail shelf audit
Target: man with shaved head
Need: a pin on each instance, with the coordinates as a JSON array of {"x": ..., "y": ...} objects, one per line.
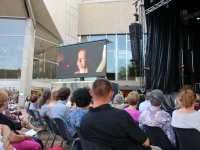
[{"x": 110, "y": 126}]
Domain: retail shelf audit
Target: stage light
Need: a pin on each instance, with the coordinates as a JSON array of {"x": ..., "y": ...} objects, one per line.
[{"x": 198, "y": 18}]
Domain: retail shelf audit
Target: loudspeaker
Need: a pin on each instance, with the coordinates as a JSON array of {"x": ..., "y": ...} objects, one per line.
[{"x": 135, "y": 30}]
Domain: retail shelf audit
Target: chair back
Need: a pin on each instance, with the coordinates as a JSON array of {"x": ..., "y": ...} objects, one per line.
[
  {"x": 64, "y": 133},
  {"x": 187, "y": 138},
  {"x": 34, "y": 115},
  {"x": 86, "y": 145},
  {"x": 100, "y": 146},
  {"x": 158, "y": 138},
  {"x": 54, "y": 127},
  {"x": 39, "y": 118},
  {"x": 47, "y": 120}
]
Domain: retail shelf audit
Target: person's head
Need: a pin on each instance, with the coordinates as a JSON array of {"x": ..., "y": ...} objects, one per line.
[
  {"x": 27, "y": 98},
  {"x": 63, "y": 93},
  {"x": 102, "y": 89},
  {"x": 54, "y": 95},
  {"x": 46, "y": 95},
  {"x": 82, "y": 97},
  {"x": 118, "y": 99},
  {"x": 156, "y": 97},
  {"x": 147, "y": 95},
  {"x": 133, "y": 98},
  {"x": 82, "y": 59},
  {"x": 33, "y": 98},
  {"x": 3, "y": 99},
  {"x": 187, "y": 98}
]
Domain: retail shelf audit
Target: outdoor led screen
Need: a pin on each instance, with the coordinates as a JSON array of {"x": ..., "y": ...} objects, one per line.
[{"x": 82, "y": 60}]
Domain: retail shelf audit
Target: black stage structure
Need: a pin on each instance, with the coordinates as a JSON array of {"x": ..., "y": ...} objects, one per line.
[{"x": 173, "y": 45}]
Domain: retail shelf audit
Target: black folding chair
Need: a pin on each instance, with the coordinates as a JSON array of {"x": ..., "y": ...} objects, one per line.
[
  {"x": 86, "y": 145},
  {"x": 55, "y": 131},
  {"x": 64, "y": 133},
  {"x": 47, "y": 120},
  {"x": 100, "y": 146},
  {"x": 187, "y": 139},
  {"x": 158, "y": 138}
]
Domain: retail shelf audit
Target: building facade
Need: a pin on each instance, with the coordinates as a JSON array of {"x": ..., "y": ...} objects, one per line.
[{"x": 30, "y": 32}]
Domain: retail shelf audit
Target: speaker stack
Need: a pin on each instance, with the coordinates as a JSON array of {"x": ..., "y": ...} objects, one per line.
[{"x": 135, "y": 30}]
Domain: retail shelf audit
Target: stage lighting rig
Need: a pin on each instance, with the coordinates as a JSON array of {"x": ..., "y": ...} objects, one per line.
[
  {"x": 192, "y": 16},
  {"x": 156, "y": 6}
]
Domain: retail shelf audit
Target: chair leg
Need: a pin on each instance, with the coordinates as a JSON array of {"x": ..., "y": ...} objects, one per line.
[
  {"x": 53, "y": 141},
  {"x": 61, "y": 143},
  {"x": 47, "y": 139},
  {"x": 74, "y": 143}
]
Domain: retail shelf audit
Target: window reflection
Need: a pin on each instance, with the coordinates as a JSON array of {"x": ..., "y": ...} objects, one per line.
[
  {"x": 97, "y": 37},
  {"x": 111, "y": 62},
  {"x": 12, "y": 27},
  {"x": 112, "y": 38},
  {"x": 121, "y": 42},
  {"x": 121, "y": 65},
  {"x": 46, "y": 50},
  {"x": 11, "y": 47}
]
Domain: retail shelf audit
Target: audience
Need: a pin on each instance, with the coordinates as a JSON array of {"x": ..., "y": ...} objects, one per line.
[
  {"x": 20, "y": 119},
  {"x": 119, "y": 101},
  {"x": 18, "y": 141},
  {"x": 146, "y": 104},
  {"x": 44, "y": 102},
  {"x": 62, "y": 111},
  {"x": 110, "y": 126},
  {"x": 133, "y": 100},
  {"x": 186, "y": 116},
  {"x": 54, "y": 99},
  {"x": 33, "y": 105},
  {"x": 82, "y": 98},
  {"x": 155, "y": 117}
]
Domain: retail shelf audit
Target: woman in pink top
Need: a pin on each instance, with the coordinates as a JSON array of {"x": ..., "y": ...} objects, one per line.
[{"x": 133, "y": 100}]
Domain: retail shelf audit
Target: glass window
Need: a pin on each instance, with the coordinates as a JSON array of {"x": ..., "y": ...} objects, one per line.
[
  {"x": 129, "y": 45},
  {"x": 97, "y": 37},
  {"x": 112, "y": 38},
  {"x": 111, "y": 62},
  {"x": 12, "y": 27},
  {"x": 84, "y": 38},
  {"x": 121, "y": 42},
  {"x": 121, "y": 65},
  {"x": 11, "y": 53},
  {"x": 128, "y": 37},
  {"x": 45, "y": 54}
]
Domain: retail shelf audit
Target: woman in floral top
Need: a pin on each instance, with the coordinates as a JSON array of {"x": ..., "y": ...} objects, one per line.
[
  {"x": 155, "y": 117},
  {"x": 82, "y": 98}
]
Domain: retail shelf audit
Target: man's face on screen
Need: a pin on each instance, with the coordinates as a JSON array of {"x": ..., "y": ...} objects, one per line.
[{"x": 81, "y": 62}]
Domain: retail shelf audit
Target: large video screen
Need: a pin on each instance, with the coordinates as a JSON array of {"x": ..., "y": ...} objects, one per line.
[{"x": 82, "y": 60}]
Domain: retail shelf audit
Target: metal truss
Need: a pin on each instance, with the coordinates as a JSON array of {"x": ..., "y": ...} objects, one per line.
[
  {"x": 192, "y": 15},
  {"x": 156, "y": 6}
]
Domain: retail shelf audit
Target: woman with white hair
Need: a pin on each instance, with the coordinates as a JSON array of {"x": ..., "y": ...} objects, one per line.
[
  {"x": 155, "y": 117},
  {"x": 119, "y": 101}
]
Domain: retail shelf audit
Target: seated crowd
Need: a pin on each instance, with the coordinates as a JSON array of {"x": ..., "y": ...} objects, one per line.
[{"x": 120, "y": 127}]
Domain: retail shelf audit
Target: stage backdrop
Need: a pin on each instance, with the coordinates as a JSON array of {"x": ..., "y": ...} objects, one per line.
[
  {"x": 168, "y": 35},
  {"x": 82, "y": 60}
]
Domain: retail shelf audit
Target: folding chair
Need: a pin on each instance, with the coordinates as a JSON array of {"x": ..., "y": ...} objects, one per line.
[
  {"x": 158, "y": 138},
  {"x": 100, "y": 146},
  {"x": 47, "y": 120},
  {"x": 64, "y": 133},
  {"x": 187, "y": 138},
  {"x": 55, "y": 131},
  {"x": 86, "y": 145}
]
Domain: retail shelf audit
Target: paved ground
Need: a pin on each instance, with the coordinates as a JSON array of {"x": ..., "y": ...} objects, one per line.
[{"x": 43, "y": 135}]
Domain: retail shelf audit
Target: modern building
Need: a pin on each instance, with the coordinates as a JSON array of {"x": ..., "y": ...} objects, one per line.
[{"x": 31, "y": 30}]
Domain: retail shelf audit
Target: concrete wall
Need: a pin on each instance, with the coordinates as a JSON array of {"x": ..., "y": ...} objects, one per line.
[{"x": 105, "y": 17}]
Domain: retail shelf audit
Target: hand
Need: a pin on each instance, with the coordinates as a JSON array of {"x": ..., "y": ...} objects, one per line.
[{"x": 29, "y": 137}]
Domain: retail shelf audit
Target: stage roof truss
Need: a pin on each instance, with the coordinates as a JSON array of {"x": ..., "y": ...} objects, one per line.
[
  {"x": 192, "y": 15},
  {"x": 156, "y": 6}
]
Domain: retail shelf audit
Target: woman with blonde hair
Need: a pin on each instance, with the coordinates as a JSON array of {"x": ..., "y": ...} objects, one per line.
[
  {"x": 133, "y": 100},
  {"x": 186, "y": 116}
]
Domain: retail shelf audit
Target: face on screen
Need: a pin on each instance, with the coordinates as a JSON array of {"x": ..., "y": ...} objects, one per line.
[{"x": 81, "y": 61}]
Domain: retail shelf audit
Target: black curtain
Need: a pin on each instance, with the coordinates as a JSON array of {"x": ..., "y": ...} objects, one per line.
[
  {"x": 168, "y": 37},
  {"x": 162, "y": 52}
]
